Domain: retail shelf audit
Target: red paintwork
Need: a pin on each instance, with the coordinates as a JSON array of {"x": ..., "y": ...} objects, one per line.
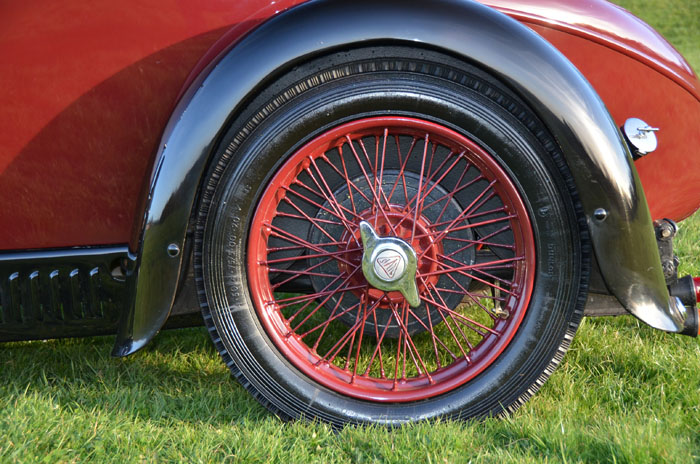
[
  {"x": 393, "y": 387},
  {"x": 637, "y": 74},
  {"x": 629, "y": 89},
  {"x": 607, "y": 24},
  {"x": 87, "y": 87},
  {"x": 696, "y": 282}
]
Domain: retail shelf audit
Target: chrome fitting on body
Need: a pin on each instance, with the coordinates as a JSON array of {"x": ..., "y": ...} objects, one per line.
[{"x": 640, "y": 137}]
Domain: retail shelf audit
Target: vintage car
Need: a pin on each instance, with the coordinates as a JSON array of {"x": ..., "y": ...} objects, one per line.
[{"x": 385, "y": 210}]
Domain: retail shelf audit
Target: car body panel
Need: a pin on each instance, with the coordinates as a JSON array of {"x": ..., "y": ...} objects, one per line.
[
  {"x": 89, "y": 87},
  {"x": 630, "y": 88},
  {"x": 637, "y": 73},
  {"x": 85, "y": 93},
  {"x": 604, "y": 23}
]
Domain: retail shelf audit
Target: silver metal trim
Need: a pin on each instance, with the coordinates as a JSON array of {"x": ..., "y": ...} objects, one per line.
[
  {"x": 404, "y": 281},
  {"x": 641, "y": 136}
]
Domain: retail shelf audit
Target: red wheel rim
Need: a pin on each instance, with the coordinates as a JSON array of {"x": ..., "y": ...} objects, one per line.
[{"x": 439, "y": 345}]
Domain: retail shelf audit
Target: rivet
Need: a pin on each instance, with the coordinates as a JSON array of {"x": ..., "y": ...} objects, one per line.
[
  {"x": 600, "y": 214},
  {"x": 173, "y": 250}
]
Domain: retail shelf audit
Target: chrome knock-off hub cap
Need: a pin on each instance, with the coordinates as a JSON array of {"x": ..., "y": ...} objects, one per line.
[{"x": 389, "y": 264}]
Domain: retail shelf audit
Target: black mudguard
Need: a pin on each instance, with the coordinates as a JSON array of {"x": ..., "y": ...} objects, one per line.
[{"x": 607, "y": 182}]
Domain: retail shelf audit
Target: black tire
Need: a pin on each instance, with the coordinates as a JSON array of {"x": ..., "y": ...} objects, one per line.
[{"x": 359, "y": 85}]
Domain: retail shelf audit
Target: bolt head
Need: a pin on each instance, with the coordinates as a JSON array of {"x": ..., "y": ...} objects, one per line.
[
  {"x": 173, "y": 250},
  {"x": 600, "y": 214}
]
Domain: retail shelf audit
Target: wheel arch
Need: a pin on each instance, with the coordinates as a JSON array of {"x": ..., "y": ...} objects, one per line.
[{"x": 559, "y": 95}]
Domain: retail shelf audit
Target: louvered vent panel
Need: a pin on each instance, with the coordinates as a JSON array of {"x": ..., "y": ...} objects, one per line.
[{"x": 55, "y": 294}]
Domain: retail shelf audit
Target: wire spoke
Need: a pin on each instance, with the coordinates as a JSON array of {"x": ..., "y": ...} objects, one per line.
[
  {"x": 470, "y": 267},
  {"x": 339, "y": 288},
  {"x": 401, "y": 176},
  {"x": 409, "y": 344},
  {"x": 376, "y": 201},
  {"x": 471, "y": 276}
]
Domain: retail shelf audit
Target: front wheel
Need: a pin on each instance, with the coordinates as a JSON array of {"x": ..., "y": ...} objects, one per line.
[{"x": 388, "y": 236}]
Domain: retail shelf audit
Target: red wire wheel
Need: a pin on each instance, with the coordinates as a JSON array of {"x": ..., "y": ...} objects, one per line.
[{"x": 437, "y": 190}]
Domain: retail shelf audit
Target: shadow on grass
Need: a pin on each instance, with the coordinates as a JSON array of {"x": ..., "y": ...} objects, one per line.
[{"x": 178, "y": 378}]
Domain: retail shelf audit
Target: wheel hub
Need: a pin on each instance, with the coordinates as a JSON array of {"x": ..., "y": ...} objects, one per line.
[
  {"x": 415, "y": 232},
  {"x": 389, "y": 264}
]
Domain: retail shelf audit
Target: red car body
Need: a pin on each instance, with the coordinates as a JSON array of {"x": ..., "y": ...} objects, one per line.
[{"x": 87, "y": 89}]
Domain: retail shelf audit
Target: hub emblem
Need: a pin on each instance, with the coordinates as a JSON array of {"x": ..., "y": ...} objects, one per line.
[{"x": 389, "y": 265}]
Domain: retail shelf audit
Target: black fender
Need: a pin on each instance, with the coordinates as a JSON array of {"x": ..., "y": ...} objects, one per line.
[{"x": 609, "y": 187}]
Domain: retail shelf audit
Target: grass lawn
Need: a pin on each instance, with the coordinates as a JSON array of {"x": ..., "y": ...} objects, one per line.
[{"x": 624, "y": 393}]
